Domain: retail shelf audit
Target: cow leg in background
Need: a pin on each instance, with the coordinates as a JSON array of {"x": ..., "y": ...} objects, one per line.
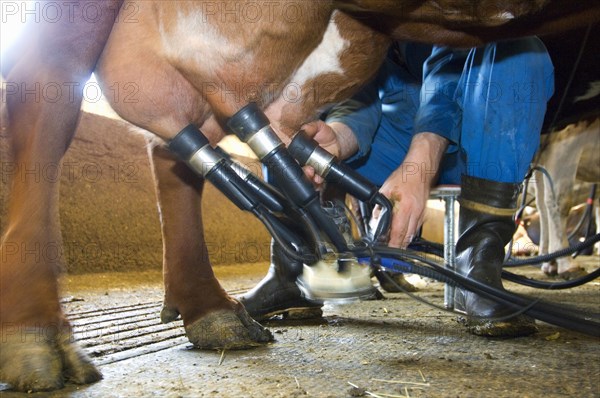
[
  {"x": 211, "y": 318},
  {"x": 597, "y": 211},
  {"x": 553, "y": 224},
  {"x": 542, "y": 207},
  {"x": 36, "y": 348},
  {"x": 554, "y": 210},
  {"x": 588, "y": 168}
]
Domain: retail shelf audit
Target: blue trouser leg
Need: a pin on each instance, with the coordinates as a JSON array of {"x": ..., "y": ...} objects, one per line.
[
  {"x": 505, "y": 88},
  {"x": 502, "y": 92}
]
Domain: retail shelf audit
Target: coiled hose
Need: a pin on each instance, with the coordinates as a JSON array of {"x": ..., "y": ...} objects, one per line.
[{"x": 563, "y": 316}]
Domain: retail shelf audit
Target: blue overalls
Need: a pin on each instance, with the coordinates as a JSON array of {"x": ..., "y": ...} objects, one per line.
[{"x": 489, "y": 102}]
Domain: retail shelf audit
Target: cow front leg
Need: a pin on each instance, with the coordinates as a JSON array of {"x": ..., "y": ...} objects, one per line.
[
  {"x": 212, "y": 319},
  {"x": 44, "y": 85}
]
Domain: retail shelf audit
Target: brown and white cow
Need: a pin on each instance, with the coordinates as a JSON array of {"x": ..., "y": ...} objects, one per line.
[
  {"x": 190, "y": 62},
  {"x": 188, "y": 65}
]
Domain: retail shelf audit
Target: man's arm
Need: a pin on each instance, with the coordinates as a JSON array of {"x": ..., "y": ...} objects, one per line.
[
  {"x": 349, "y": 128},
  {"x": 440, "y": 111},
  {"x": 436, "y": 129},
  {"x": 409, "y": 185},
  {"x": 352, "y": 124}
]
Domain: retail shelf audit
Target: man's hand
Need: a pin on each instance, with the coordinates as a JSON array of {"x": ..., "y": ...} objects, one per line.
[
  {"x": 335, "y": 138},
  {"x": 408, "y": 186}
]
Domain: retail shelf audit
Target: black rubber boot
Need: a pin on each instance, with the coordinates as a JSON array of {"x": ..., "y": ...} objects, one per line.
[
  {"x": 393, "y": 282},
  {"x": 278, "y": 293},
  {"x": 485, "y": 227}
]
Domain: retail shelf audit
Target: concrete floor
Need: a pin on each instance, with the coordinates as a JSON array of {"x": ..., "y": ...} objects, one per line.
[{"x": 397, "y": 347}]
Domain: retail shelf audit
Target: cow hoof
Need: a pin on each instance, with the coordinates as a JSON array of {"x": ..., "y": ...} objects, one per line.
[
  {"x": 394, "y": 282},
  {"x": 519, "y": 326},
  {"x": 232, "y": 330},
  {"x": 573, "y": 273},
  {"x": 43, "y": 365},
  {"x": 77, "y": 367},
  {"x": 550, "y": 269},
  {"x": 168, "y": 314}
]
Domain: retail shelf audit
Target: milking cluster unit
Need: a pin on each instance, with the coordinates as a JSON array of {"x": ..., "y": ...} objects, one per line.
[{"x": 335, "y": 265}]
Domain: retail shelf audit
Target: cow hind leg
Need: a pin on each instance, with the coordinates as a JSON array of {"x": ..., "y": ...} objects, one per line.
[
  {"x": 212, "y": 319},
  {"x": 164, "y": 106}
]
